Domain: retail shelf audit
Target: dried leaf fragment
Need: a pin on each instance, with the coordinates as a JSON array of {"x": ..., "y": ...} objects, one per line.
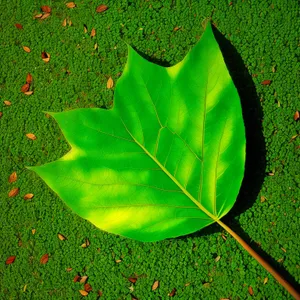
[
  {"x": 88, "y": 287},
  {"x": 19, "y": 26},
  {"x": 83, "y": 293},
  {"x": 28, "y": 93},
  {"x": 100, "y": 293},
  {"x": 44, "y": 258},
  {"x": 110, "y": 83},
  {"x": 85, "y": 30},
  {"x": 33, "y": 231},
  {"x": 93, "y": 32},
  {"x": 155, "y": 285},
  {"x": 31, "y": 136},
  {"x": 46, "y": 9},
  {"x": 25, "y": 87},
  {"x": 7, "y": 103},
  {"x": 45, "y": 16},
  {"x": 12, "y": 177},
  {"x": 28, "y": 196},
  {"x": 296, "y": 116},
  {"x": 69, "y": 269},
  {"x": 10, "y": 260},
  {"x": 217, "y": 258},
  {"x": 76, "y": 278},
  {"x": 61, "y": 237},
  {"x": 1, "y": 114},
  {"x": 250, "y": 290},
  {"x": 64, "y": 23},
  {"x": 45, "y": 56},
  {"x": 14, "y": 192},
  {"x": 28, "y": 78},
  {"x": 26, "y": 49},
  {"x": 132, "y": 279},
  {"x": 83, "y": 279},
  {"x": 38, "y": 16},
  {"x": 266, "y": 82},
  {"x": 172, "y": 293},
  {"x": 70, "y": 5},
  {"x": 118, "y": 261},
  {"x": 266, "y": 280},
  {"x": 262, "y": 199},
  {"x": 101, "y": 8}
]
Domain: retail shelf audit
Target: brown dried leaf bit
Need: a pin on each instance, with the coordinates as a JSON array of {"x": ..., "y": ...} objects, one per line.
[
  {"x": 155, "y": 285},
  {"x": 101, "y": 8},
  {"x": 14, "y": 192},
  {"x": 64, "y": 23},
  {"x": 266, "y": 82},
  {"x": 100, "y": 293},
  {"x": 45, "y": 16},
  {"x": 172, "y": 293},
  {"x": 296, "y": 116},
  {"x": 83, "y": 293},
  {"x": 25, "y": 88},
  {"x": 87, "y": 287},
  {"x": 26, "y": 49},
  {"x": 28, "y": 196},
  {"x": 1, "y": 114},
  {"x": 132, "y": 279},
  {"x": 110, "y": 83},
  {"x": 76, "y": 278},
  {"x": 61, "y": 237},
  {"x": 70, "y": 5},
  {"x": 28, "y": 93},
  {"x": 250, "y": 290},
  {"x": 45, "y": 56},
  {"x": 7, "y": 103},
  {"x": 10, "y": 260},
  {"x": 31, "y": 136},
  {"x": 12, "y": 177},
  {"x": 93, "y": 32},
  {"x": 46, "y": 9},
  {"x": 28, "y": 78},
  {"x": 44, "y": 258},
  {"x": 85, "y": 28},
  {"x": 266, "y": 280},
  {"x": 83, "y": 279},
  {"x": 38, "y": 16},
  {"x": 33, "y": 231},
  {"x": 19, "y": 26}
]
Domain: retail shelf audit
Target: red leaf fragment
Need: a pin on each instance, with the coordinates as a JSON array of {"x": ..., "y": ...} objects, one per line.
[
  {"x": 250, "y": 290},
  {"x": 296, "y": 116},
  {"x": 76, "y": 278},
  {"x": 14, "y": 192},
  {"x": 101, "y": 8},
  {"x": 12, "y": 177},
  {"x": 132, "y": 279},
  {"x": 87, "y": 287},
  {"x": 19, "y": 26},
  {"x": 172, "y": 293},
  {"x": 266, "y": 82},
  {"x": 10, "y": 260},
  {"x": 46, "y": 9},
  {"x": 44, "y": 258},
  {"x": 25, "y": 88},
  {"x": 28, "y": 78}
]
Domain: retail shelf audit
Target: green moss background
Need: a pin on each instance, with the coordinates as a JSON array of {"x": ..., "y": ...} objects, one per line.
[{"x": 259, "y": 42}]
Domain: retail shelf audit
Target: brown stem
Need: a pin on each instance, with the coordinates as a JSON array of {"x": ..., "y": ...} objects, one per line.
[{"x": 268, "y": 267}]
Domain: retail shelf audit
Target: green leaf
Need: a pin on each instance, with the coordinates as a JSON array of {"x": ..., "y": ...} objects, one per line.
[{"x": 168, "y": 158}]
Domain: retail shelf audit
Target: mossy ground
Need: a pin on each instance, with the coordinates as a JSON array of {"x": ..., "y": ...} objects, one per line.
[{"x": 259, "y": 40}]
